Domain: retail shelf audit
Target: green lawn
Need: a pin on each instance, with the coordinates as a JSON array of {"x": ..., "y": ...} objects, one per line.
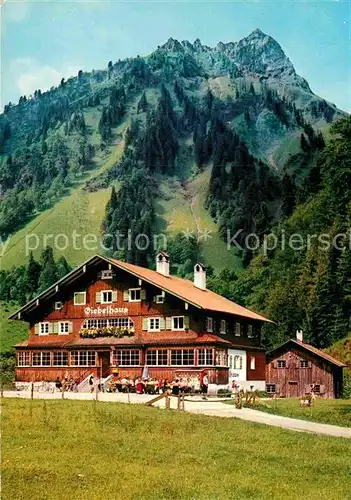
[
  {"x": 90, "y": 450},
  {"x": 326, "y": 411}
]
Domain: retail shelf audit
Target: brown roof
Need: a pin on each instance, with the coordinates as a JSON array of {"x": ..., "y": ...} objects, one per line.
[
  {"x": 320, "y": 353},
  {"x": 42, "y": 345},
  {"x": 166, "y": 338},
  {"x": 187, "y": 291},
  {"x": 181, "y": 288},
  {"x": 312, "y": 349}
]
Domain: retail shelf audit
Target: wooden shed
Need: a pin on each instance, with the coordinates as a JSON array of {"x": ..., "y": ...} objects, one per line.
[{"x": 295, "y": 369}]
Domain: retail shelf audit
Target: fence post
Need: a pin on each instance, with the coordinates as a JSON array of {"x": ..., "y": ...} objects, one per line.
[{"x": 32, "y": 390}]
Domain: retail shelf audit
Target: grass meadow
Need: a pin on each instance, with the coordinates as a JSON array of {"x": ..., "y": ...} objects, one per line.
[
  {"x": 325, "y": 411},
  {"x": 93, "y": 450}
]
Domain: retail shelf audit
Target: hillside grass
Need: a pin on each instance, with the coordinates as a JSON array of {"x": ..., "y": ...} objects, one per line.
[
  {"x": 325, "y": 411},
  {"x": 11, "y": 332},
  {"x": 182, "y": 207},
  {"x": 82, "y": 449}
]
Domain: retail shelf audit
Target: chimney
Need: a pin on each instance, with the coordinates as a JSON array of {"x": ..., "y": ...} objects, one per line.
[
  {"x": 162, "y": 263},
  {"x": 299, "y": 335},
  {"x": 200, "y": 276}
]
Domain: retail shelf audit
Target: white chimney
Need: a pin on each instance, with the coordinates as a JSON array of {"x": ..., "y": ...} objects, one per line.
[
  {"x": 162, "y": 263},
  {"x": 299, "y": 335},
  {"x": 200, "y": 276}
]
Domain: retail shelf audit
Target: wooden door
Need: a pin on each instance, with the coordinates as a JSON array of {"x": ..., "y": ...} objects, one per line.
[
  {"x": 293, "y": 389},
  {"x": 104, "y": 363}
]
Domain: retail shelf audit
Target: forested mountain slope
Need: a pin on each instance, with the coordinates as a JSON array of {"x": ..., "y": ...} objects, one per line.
[
  {"x": 195, "y": 142},
  {"x": 235, "y": 111}
]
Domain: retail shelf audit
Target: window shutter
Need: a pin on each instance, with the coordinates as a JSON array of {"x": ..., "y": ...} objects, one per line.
[
  {"x": 36, "y": 329},
  {"x": 114, "y": 296},
  {"x": 51, "y": 328},
  {"x": 126, "y": 295},
  {"x": 143, "y": 294},
  {"x": 155, "y": 298},
  {"x": 309, "y": 364},
  {"x": 55, "y": 328},
  {"x": 186, "y": 322},
  {"x": 169, "y": 323},
  {"x": 162, "y": 324},
  {"x": 277, "y": 388},
  {"x": 98, "y": 297},
  {"x": 145, "y": 323},
  {"x": 70, "y": 327},
  {"x": 307, "y": 388},
  {"x": 274, "y": 364},
  {"x": 322, "y": 389},
  {"x": 214, "y": 326}
]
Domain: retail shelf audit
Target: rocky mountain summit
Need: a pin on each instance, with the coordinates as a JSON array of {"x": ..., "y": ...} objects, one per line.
[{"x": 257, "y": 55}]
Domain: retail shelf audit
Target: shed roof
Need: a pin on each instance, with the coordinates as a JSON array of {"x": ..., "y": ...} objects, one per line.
[{"x": 309, "y": 348}]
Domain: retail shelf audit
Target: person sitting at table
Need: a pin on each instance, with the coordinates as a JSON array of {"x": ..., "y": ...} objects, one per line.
[
  {"x": 175, "y": 387},
  {"x": 138, "y": 386}
]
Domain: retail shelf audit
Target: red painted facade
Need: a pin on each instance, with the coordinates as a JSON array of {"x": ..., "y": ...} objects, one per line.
[{"x": 192, "y": 339}]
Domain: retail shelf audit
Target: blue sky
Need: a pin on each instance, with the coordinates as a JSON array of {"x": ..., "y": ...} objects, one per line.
[{"x": 45, "y": 40}]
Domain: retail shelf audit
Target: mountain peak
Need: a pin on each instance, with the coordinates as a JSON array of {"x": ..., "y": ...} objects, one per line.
[
  {"x": 172, "y": 45},
  {"x": 257, "y": 33}
]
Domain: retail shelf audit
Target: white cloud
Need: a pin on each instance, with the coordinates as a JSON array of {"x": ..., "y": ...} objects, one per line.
[{"x": 30, "y": 75}]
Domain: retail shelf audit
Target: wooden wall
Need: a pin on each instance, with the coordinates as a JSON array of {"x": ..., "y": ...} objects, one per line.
[
  {"x": 294, "y": 381},
  {"x": 136, "y": 310}
]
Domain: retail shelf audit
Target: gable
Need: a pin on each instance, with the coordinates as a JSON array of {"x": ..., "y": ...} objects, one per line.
[
  {"x": 185, "y": 290},
  {"x": 302, "y": 348}
]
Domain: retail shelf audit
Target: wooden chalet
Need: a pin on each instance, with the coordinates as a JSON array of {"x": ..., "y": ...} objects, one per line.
[
  {"x": 295, "y": 369},
  {"x": 109, "y": 316}
]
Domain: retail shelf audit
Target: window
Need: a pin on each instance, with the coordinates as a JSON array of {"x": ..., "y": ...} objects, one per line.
[
  {"x": 41, "y": 358},
  {"x": 237, "y": 329},
  {"x": 270, "y": 389},
  {"x": 223, "y": 327},
  {"x": 281, "y": 363},
  {"x": 205, "y": 357},
  {"x": 64, "y": 328},
  {"x": 303, "y": 363},
  {"x": 80, "y": 298},
  {"x": 83, "y": 358},
  {"x": 159, "y": 299},
  {"x": 126, "y": 357},
  {"x": 106, "y": 274},
  {"x": 317, "y": 388},
  {"x": 134, "y": 294},
  {"x": 58, "y": 306},
  {"x": 44, "y": 328},
  {"x": 23, "y": 358},
  {"x": 60, "y": 358},
  {"x": 182, "y": 357},
  {"x": 157, "y": 357},
  {"x": 178, "y": 323},
  {"x": 209, "y": 324},
  {"x": 252, "y": 363},
  {"x": 221, "y": 357},
  {"x": 250, "y": 331},
  {"x": 238, "y": 362},
  {"x": 154, "y": 324},
  {"x": 105, "y": 322},
  {"x": 106, "y": 297}
]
